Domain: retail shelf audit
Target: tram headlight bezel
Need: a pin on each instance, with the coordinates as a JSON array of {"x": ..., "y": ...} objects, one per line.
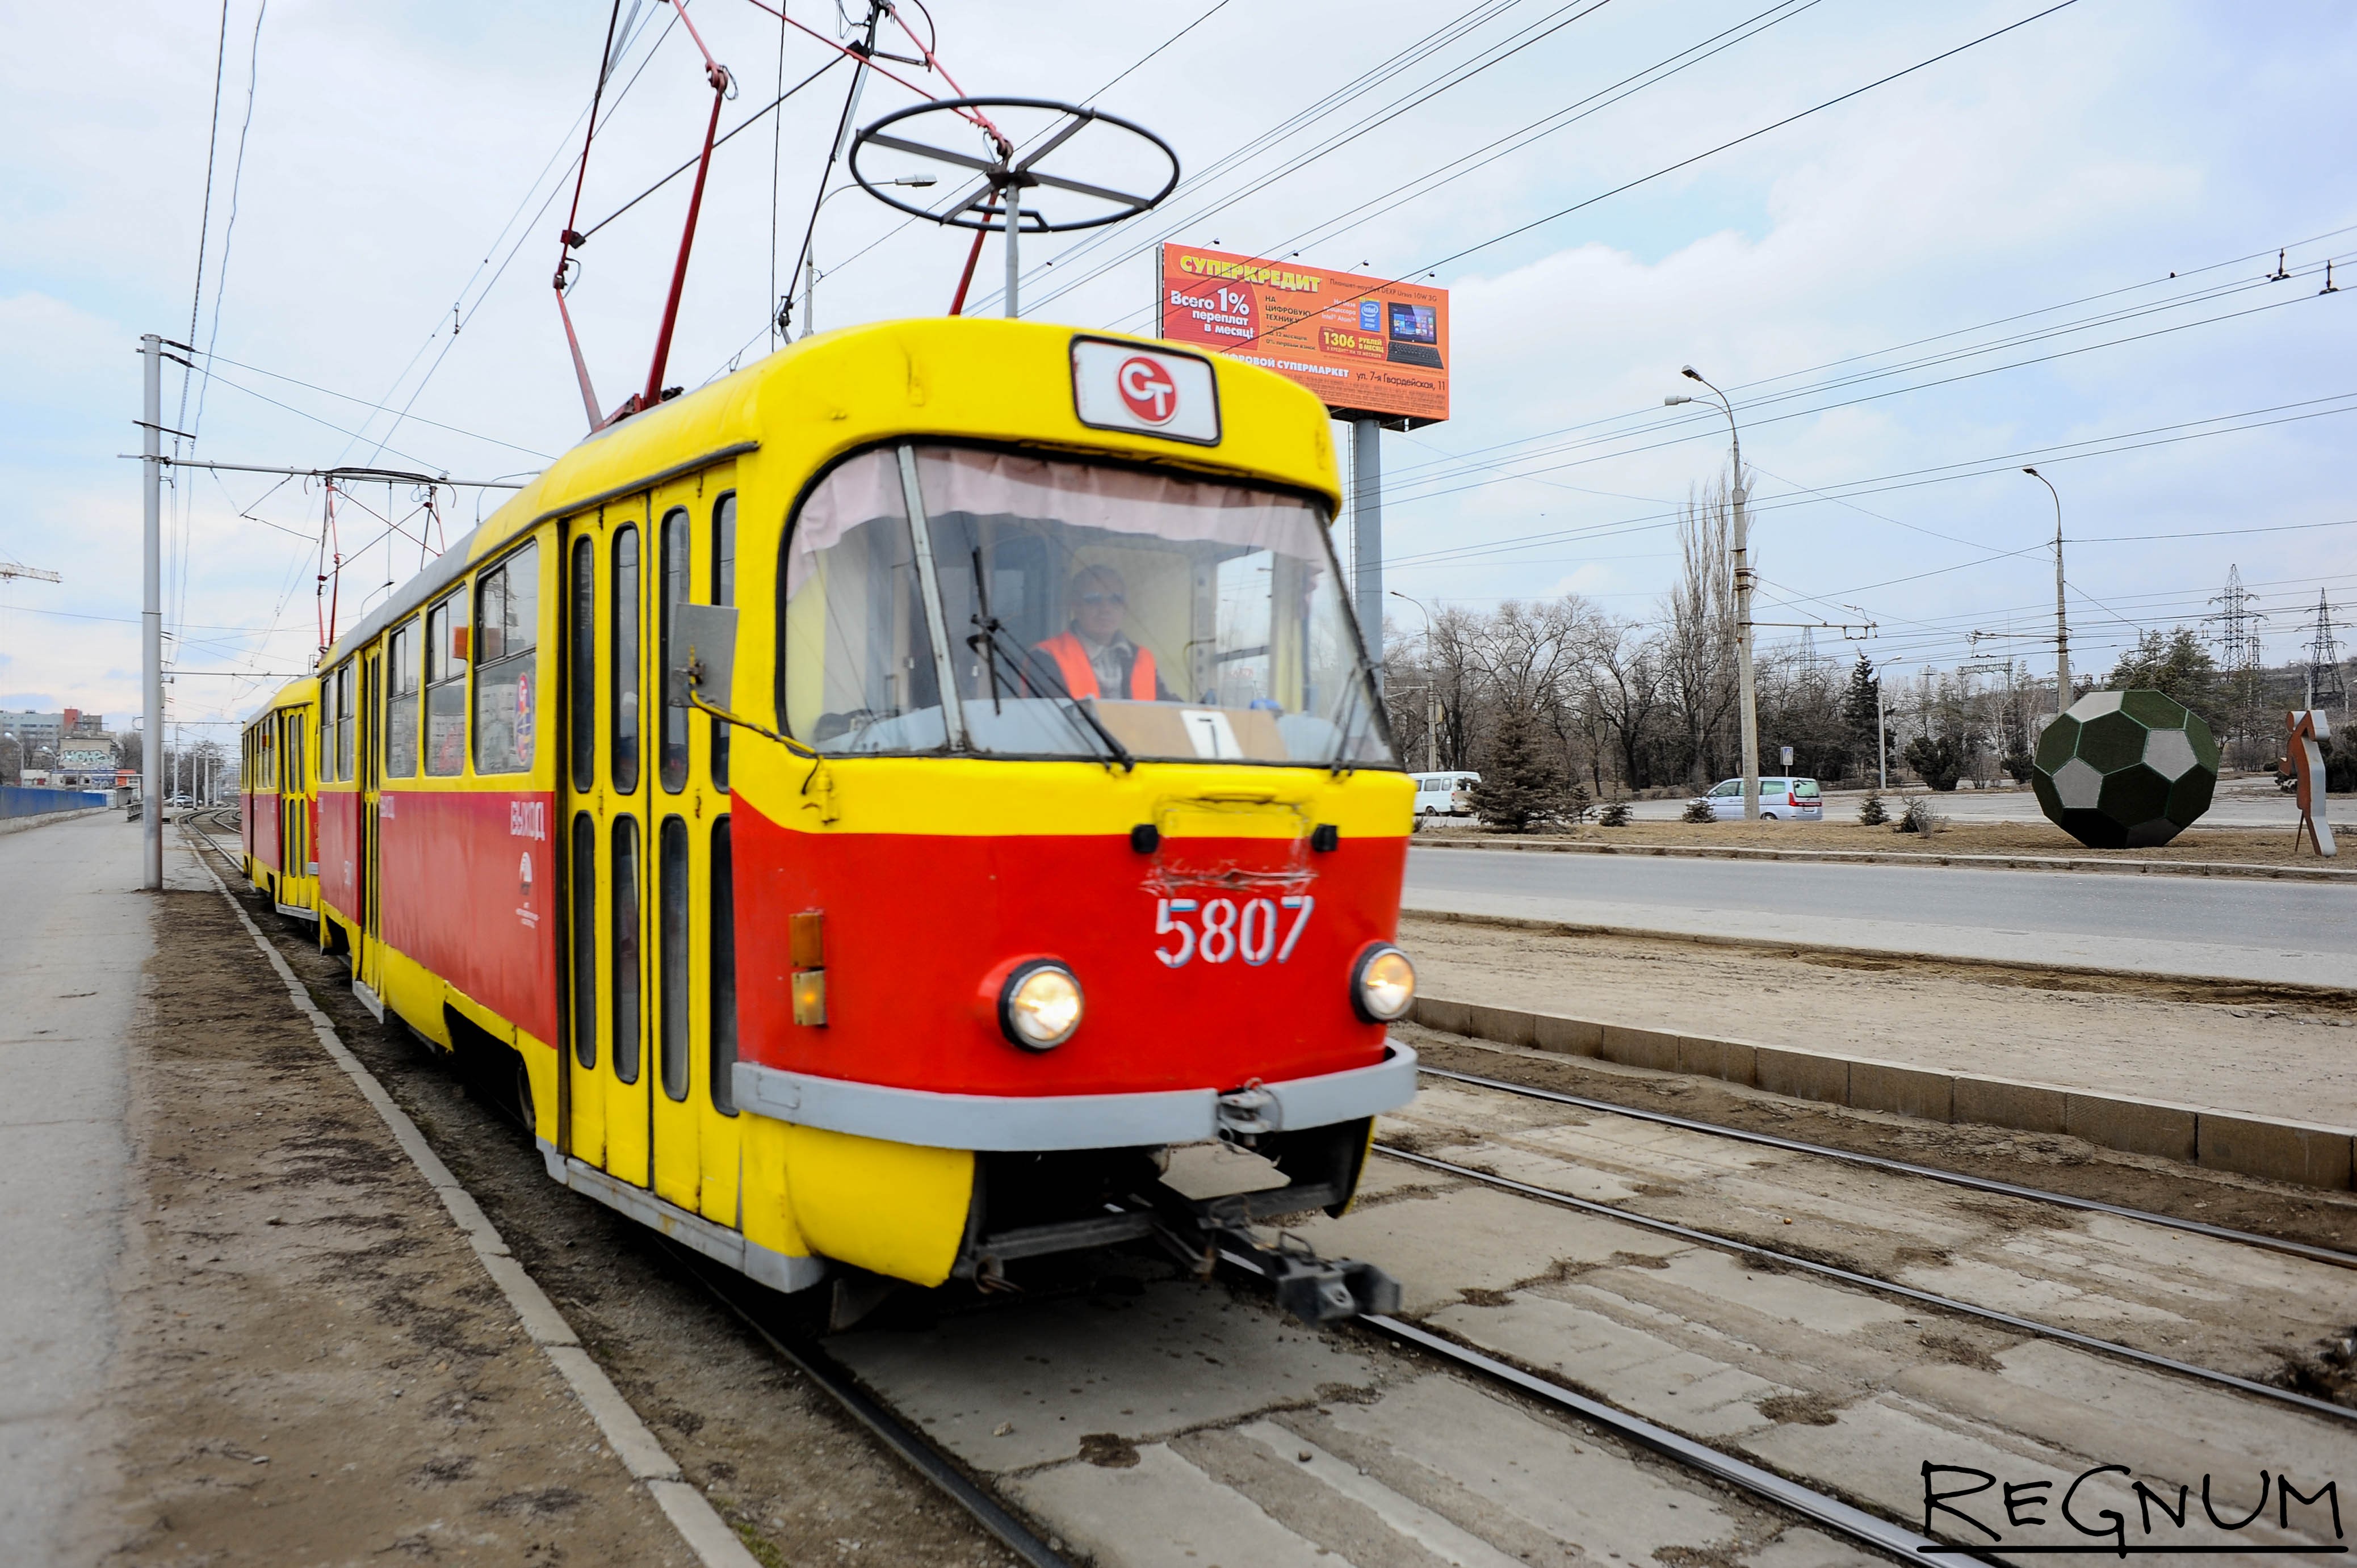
[
  {"x": 1040, "y": 1005},
  {"x": 1377, "y": 994}
]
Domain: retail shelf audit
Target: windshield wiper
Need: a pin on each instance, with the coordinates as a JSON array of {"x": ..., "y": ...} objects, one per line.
[{"x": 992, "y": 641}]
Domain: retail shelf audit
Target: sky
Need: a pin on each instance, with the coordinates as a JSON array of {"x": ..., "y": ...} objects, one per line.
[{"x": 2050, "y": 247}]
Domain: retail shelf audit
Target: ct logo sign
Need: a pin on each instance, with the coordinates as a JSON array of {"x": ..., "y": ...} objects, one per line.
[
  {"x": 1150, "y": 394},
  {"x": 1122, "y": 386}
]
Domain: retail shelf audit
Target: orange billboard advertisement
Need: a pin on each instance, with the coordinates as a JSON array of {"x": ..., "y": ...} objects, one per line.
[{"x": 1365, "y": 344}]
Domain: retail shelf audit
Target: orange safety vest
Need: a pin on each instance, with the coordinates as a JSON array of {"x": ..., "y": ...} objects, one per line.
[{"x": 1081, "y": 676}]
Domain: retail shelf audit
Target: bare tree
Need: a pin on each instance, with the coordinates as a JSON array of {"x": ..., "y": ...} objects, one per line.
[
  {"x": 1697, "y": 653},
  {"x": 1623, "y": 682}
]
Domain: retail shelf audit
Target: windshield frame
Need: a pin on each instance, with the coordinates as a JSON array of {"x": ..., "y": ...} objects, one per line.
[{"x": 900, "y": 452}]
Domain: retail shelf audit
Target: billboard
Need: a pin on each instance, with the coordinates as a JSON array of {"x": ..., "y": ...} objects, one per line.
[{"x": 1365, "y": 344}]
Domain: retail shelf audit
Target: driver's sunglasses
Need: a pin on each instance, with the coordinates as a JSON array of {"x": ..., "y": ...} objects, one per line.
[{"x": 1103, "y": 599}]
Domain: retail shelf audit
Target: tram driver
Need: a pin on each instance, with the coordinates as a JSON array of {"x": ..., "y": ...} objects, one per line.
[{"x": 1092, "y": 655}]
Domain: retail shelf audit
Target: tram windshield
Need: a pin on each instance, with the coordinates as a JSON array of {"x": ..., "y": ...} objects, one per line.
[{"x": 1075, "y": 611}]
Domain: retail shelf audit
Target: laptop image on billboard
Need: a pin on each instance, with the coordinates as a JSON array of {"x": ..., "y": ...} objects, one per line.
[{"x": 1415, "y": 335}]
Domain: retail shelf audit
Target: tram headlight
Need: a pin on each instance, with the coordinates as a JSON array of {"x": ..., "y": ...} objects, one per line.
[
  {"x": 1039, "y": 1005},
  {"x": 1383, "y": 983}
]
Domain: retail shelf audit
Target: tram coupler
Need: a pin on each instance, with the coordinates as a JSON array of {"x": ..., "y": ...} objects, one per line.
[{"x": 1314, "y": 1289}]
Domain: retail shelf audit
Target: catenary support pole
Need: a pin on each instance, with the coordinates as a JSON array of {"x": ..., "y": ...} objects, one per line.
[
  {"x": 1367, "y": 531},
  {"x": 151, "y": 619},
  {"x": 2062, "y": 625}
]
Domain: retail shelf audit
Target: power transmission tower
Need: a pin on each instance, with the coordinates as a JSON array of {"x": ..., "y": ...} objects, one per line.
[
  {"x": 10, "y": 570},
  {"x": 2237, "y": 641},
  {"x": 2324, "y": 684}
]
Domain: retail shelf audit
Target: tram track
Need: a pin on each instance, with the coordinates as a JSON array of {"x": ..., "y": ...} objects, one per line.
[
  {"x": 1902, "y": 1168},
  {"x": 1787, "y": 1260}
]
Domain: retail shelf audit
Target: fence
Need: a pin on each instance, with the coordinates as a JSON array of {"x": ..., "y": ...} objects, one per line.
[{"x": 21, "y": 801}]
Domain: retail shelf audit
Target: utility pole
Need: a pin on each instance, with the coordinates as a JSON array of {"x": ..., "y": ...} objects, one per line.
[
  {"x": 1750, "y": 701},
  {"x": 151, "y": 619},
  {"x": 1367, "y": 533},
  {"x": 2062, "y": 625}
]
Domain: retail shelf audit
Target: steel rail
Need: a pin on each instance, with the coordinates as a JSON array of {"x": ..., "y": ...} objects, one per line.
[
  {"x": 913, "y": 1447},
  {"x": 1820, "y": 1507},
  {"x": 1882, "y": 1286},
  {"x": 1955, "y": 1179}
]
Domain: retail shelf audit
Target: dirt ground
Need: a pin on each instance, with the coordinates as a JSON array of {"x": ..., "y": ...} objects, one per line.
[
  {"x": 798, "y": 1480},
  {"x": 316, "y": 1369},
  {"x": 2234, "y": 1048},
  {"x": 2242, "y": 846}
]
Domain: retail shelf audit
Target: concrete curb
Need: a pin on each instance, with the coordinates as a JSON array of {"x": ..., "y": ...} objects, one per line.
[
  {"x": 642, "y": 1454},
  {"x": 1910, "y": 857},
  {"x": 2301, "y": 1153},
  {"x": 2223, "y": 985}
]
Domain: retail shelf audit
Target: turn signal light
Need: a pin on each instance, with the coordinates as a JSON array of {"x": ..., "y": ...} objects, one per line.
[{"x": 810, "y": 997}]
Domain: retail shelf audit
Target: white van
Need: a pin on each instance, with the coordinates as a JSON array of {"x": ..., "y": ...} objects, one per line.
[
  {"x": 1781, "y": 799},
  {"x": 1445, "y": 794}
]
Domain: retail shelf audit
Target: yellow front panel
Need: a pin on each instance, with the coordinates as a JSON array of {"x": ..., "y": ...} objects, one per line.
[{"x": 893, "y": 1208}]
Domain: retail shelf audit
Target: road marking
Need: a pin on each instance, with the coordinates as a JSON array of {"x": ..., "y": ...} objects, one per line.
[{"x": 700, "y": 1525}]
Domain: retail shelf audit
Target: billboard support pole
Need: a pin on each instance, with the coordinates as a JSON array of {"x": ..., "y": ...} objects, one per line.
[
  {"x": 151, "y": 617},
  {"x": 1367, "y": 533}
]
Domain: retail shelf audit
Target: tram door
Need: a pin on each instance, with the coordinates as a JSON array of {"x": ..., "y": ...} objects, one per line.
[
  {"x": 368, "y": 966},
  {"x": 645, "y": 813}
]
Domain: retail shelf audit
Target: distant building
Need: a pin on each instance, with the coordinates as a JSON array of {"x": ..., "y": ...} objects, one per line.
[
  {"x": 37, "y": 732},
  {"x": 82, "y": 765}
]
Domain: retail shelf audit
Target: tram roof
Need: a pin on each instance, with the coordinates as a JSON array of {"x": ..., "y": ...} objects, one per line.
[
  {"x": 812, "y": 401},
  {"x": 301, "y": 692}
]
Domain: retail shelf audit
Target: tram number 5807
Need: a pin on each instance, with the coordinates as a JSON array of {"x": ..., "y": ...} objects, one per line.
[{"x": 1229, "y": 929}]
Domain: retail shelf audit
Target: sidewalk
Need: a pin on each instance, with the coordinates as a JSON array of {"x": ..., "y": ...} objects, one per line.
[
  {"x": 74, "y": 940},
  {"x": 245, "y": 1327}
]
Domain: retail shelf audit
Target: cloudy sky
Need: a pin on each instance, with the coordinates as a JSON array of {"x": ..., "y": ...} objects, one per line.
[{"x": 1909, "y": 294}]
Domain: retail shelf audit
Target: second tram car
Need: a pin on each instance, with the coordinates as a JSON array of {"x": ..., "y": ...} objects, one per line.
[
  {"x": 277, "y": 806},
  {"x": 888, "y": 798}
]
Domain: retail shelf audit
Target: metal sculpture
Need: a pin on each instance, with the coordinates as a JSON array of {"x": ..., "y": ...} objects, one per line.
[
  {"x": 2125, "y": 769},
  {"x": 2306, "y": 759}
]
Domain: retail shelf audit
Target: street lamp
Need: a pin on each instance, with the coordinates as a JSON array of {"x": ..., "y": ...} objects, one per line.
[
  {"x": 1882, "y": 746},
  {"x": 2062, "y": 627},
  {"x": 1431, "y": 693},
  {"x": 809, "y": 259},
  {"x": 1750, "y": 709}
]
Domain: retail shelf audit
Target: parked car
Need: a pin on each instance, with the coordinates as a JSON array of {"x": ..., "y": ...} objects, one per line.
[
  {"x": 1781, "y": 799},
  {"x": 1445, "y": 794},
  {"x": 181, "y": 799}
]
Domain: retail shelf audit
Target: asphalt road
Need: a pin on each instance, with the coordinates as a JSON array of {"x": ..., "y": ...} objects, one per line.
[{"x": 2228, "y": 927}]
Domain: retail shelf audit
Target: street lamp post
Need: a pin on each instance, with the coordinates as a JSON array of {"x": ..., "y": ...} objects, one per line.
[
  {"x": 810, "y": 260},
  {"x": 1431, "y": 692},
  {"x": 1750, "y": 709},
  {"x": 1881, "y": 747},
  {"x": 2062, "y": 626}
]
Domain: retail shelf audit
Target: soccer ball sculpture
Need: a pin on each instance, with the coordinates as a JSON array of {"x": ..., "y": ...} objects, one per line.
[{"x": 2125, "y": 769}]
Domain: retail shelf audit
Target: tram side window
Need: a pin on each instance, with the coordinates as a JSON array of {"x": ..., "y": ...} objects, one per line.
[
  {"x": 671, "y": 899},
  {"x": 506, "y": 673},
  {"x": 343, "y": 686},
  {"x": 624, "y": 653},
  {"x": 585, "y": 938},
  {"x": 622, "y": 949},
  {"x": 675, "y": 591},
  {"x": 724, "y": 592},
  {"x": 857, "y": 674},
  {"x": 581, "y": 654},
  {"x": 327, "y": 730},
  {"x": 401, "y": 706},
  {"x": 445, "y": 688},
  {"x": 723, "y": 966}
]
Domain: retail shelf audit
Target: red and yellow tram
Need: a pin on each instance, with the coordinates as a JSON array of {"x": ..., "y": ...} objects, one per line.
[
  {"x": 278, "y": 809},
  {"x": 887, "y": 798}
]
